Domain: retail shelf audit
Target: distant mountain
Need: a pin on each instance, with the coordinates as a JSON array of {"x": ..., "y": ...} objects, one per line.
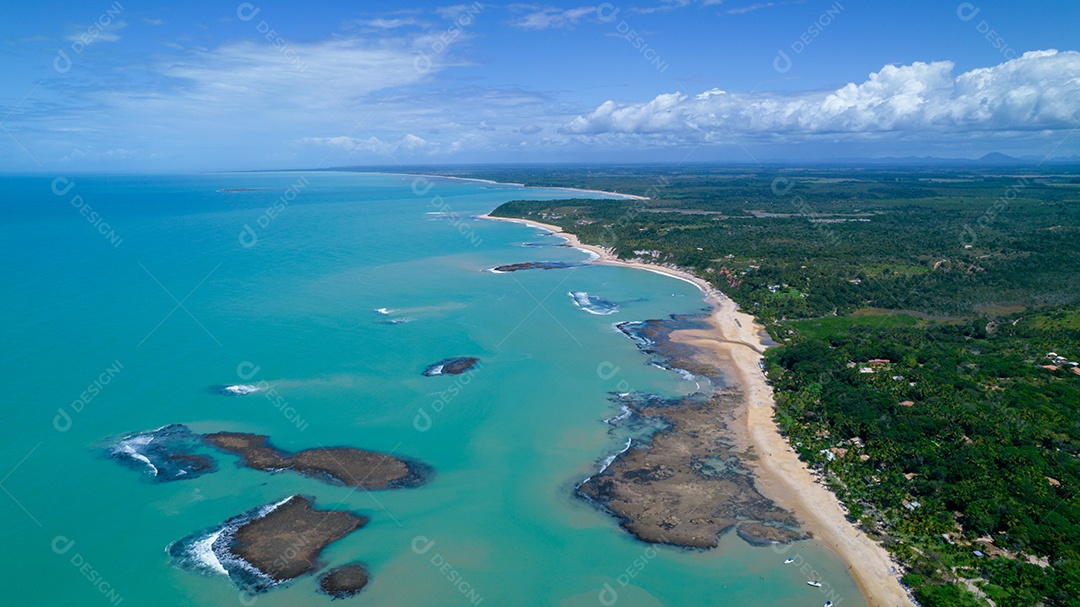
[
  {"x": 999, "y": 158},
  {"x": 991, "y": 159}
]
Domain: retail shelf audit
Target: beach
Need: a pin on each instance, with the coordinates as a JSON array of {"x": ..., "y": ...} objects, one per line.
[{"x": 735, "y": 342}]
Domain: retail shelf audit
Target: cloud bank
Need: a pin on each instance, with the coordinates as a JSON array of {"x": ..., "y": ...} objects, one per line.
[{"x": 1037, "y": 91}]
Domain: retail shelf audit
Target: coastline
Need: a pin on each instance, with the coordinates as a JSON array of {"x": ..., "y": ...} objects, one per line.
[
  {"x": 734, "y": 342},
  {"x": 473, "y": 179}
]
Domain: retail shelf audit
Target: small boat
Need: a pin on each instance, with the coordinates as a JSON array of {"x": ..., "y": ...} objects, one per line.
[
  {"x": 814, "y": 583},
  {"x": 789, "y": 561},
  {"x": 828, "y": 603}
]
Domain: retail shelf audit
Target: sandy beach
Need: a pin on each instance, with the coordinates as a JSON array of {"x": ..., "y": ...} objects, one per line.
[{"x": 735, "y": 343}]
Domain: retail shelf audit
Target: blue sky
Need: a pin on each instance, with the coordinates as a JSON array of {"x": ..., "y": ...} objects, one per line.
[{"x": 148, "y": 86}]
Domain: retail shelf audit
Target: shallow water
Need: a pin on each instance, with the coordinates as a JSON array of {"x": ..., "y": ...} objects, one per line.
[{"x": 117, "y": 329}]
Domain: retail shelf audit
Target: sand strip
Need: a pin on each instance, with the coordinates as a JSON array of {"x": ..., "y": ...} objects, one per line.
[{"x": 736, "y": 338}]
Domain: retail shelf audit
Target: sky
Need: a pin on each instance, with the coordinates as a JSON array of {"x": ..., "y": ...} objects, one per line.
[{"x": 143, "y": 86}]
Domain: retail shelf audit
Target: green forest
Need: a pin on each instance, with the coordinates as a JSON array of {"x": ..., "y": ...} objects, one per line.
[{"x": 928, "y": 330}]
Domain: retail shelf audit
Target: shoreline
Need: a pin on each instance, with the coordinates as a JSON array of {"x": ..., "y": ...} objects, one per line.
[
  {"x": 607, "y": 195},
  {"x": 734, "y": 343}
]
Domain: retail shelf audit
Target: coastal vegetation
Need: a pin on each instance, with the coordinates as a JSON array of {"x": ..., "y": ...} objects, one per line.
[{"x": 928, "y": 330}]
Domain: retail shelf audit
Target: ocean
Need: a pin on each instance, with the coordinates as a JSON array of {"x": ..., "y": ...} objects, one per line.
[{"x": 127, "y": 299}]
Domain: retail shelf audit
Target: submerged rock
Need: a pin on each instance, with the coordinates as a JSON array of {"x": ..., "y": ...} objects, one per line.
[
  {"x": 266, "y": 546},
  {"x": 593, "y": 304},
  {"x": 345, "y": 581},
  {"x": 689, "y": 483},
  {"x": 339, "y": 465},
  {"x": 451, "y": 366},
  {"x": 169, "y": 453},
  {"x": 536, "y": 265}
]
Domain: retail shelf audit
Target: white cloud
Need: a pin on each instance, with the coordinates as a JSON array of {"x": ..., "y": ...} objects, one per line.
[
  {"x": 247, "y": 82},
  {"x": 96, "y": 32},
  {"x": 1038, "y": 91},
  {"x": 387, "y": 23},
  {"x": 549, "y": 17},
  {"x": 372, "y": 144},
  {"x": 742, "y": 10},
  {"x": 460, "y": 12},
  {"x": 670, "y": 5}
]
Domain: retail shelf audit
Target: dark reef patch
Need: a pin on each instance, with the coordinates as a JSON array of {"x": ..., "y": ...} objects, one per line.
[
  {"x": 690, "y": 479},
  {"x": 688, "y": 485},
  {"x": 337, "y": 465},
  {"x": 345, "y": 581},
  {"x": 266, "y": 546},
  {"x": 451, "y": 366},
  {"x": 536, "y": 265},
  {"x": 654, "y": 338}
]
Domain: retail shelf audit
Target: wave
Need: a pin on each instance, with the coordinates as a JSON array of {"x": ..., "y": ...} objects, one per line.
[
  {"x": 397, "y": 321},
  {"x": 235, "y": 390},
  {"x": 609, "y": 460},
  {"x": 168, "y": 453},
  {"x": 130, "y": 448},
  {"x": 593, "y": 255},
  {"x": 209, "y": 552},
  {"x": 624, "y": 412},
  {"x": 635, "y": 330},
  {"x": 593, "y": 304}
]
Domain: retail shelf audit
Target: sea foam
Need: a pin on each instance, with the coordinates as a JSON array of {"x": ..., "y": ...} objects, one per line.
[{"x": 593, "y": 304}]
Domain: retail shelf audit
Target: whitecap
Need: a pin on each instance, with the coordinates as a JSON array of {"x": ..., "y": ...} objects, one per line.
[
  {"x": 130, "y": 447},
  {"x": 209, "y": 552},
  {"x": 593, "y": 255},
  {"x": 593, "y": 304},
  {"x": 202, "y": 552},
  {"x": 608, "y": 461},
  {"x": 241, "y": 389},
  {"x": 624, "y": 413},
  {"x": 611, "y": 458}
]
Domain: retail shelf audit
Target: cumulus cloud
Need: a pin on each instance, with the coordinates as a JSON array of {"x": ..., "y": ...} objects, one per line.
[{"x": 1039, "y": 90}]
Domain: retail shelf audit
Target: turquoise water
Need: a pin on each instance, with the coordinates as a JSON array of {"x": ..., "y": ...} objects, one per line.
[{"x": 97, "y": 347}]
